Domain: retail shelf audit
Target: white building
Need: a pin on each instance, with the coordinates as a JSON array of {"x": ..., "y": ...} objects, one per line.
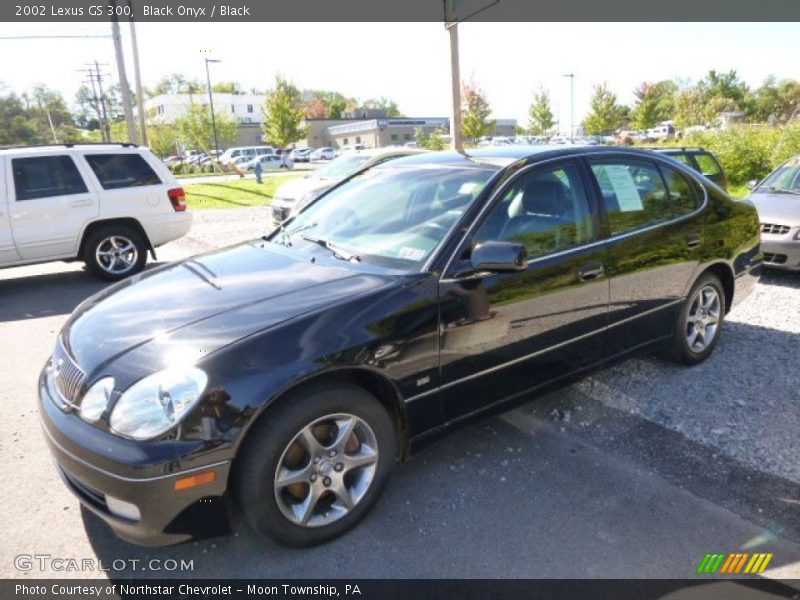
[{"x": 167, "y": 108}]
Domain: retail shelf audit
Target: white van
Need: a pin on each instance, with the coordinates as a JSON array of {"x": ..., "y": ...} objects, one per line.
[
  {"x": 105, "y": 204},
  {"x": 249, "y": 151}
]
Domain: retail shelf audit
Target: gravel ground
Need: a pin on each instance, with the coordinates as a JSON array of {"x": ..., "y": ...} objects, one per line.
[{"x": 742, "y": 400}]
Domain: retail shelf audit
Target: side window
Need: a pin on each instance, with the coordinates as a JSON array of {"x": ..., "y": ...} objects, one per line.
[
  {"x": 634, "y": 193},
  {"x": 44, "y": 176},
  {"x": 683, "y": 194},
  {"x": 708, "y": 166},
  {"x": 115, "y": 171},
  {"x": 546, "y": 210}
]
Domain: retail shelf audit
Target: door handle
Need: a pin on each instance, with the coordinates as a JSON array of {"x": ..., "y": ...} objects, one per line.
[
  {"x": 79, "y": 203},
  {"x": 693, "y": 240},
  {"x": 591, "y": 271}
]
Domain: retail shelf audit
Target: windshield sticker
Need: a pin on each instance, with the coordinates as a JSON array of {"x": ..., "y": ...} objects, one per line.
[
  {"x": 410, "y": 253},
  {"x": 625, "y": 189}
]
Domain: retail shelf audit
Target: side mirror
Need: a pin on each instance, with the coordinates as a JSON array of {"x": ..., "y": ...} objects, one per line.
[
  {"x": 499, "y": 256},
  {"x": 751, "y": 185}
]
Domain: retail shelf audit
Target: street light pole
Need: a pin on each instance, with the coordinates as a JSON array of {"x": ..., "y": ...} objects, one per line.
[
  {"x": 456, "y": 142},
  {"x": 211, "y": 106},
  {"x": 123, "y": 78},
  {"x": 571, "y": 107}
]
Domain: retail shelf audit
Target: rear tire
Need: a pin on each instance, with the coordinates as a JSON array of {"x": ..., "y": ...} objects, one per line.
[
  {"x": 699, "y": 323},
  {"x": 300, "y": 479},
  {"x": 115, "y": 252}
]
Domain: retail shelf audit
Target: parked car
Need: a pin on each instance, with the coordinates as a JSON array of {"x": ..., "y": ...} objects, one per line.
[
  {"x": 323, "y": 154},
  {"x": 251, "y": 151},
  {"x": 777, "y": 199},
  {"x": 289, "y": 373},
  {"x": 701, "y": 160},
  {"x": 347, "y": 148},
  {"x": 661, "y": 132},
  {"x": 269, "y": 162},
  {"x": 301, "y": 154},
  {"x": 105, "y": 204},
  {"x": 295, "y": 195}
]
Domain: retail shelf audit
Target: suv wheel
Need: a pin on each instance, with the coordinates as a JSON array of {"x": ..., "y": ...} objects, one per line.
[
  {"x": 315, "y": 464},
  {"x": 113, "y": 253},
  {"x": 700, "y": 322}
]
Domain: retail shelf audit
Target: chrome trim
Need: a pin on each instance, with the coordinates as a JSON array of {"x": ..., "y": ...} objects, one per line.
[
  {"x": 122, "y": 477},
  {"x": 542, "y": 351},
  {"x": 608, "y": 240}
]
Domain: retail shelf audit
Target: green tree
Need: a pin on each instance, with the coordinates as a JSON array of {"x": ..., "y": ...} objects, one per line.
[
  {"x": 196, "y": 128},
  {"x": 690, "y": 108},
  {"x": 655, "y": 102},
  {"x": 606, "y": 115},
  {"x": 475, "y": 112},
  {"x": 284, "y": 113},
  {"x": 162, "y": 140},
  {"x": 383, "y": 104},
  {"x": 227, "y": 87},
  {"x": 430, "y": 141},
  {"x": 540, "y": 114},
  {"x": 15, "y": 126}
]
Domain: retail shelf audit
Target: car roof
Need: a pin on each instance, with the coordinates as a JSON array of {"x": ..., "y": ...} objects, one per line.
[
  {"x": 56, "y": 148},
  {"x": 501, "y": 156}
]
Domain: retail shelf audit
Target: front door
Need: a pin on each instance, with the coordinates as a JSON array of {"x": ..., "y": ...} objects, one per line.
[
  {"x": 49, "y": 205},
  {"x": 503, "y": 334},
  {"x": 8, "y": 252}
]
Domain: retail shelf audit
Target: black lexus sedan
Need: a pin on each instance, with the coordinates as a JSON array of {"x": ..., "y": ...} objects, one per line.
[{"x": 286, "y": 376}]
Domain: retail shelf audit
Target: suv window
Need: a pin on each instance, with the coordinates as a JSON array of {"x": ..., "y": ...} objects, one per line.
[
  {"x": 546, "y": 210},
  {"x": 115, "y": 171},
  {"x": 44, "y": 176},
  {"x": 634, "y": 193},
  {"x": 708, "y": 166}
]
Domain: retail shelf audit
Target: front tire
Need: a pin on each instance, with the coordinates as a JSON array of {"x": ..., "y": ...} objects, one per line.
[
  {"x": 115, "y": 252},
  {"x": 315, "y": 464},
  {"x": 699, "y": 322}
]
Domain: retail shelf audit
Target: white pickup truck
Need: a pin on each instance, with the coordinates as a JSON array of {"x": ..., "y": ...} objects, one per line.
[{"x": 105, "y": 204}]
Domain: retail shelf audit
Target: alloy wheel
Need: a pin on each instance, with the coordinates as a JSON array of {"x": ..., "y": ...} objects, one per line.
[
  {"x": 325, "y": 470},
  {"x": 702, "y": 321},
  {"x": 116, "y": 254}
]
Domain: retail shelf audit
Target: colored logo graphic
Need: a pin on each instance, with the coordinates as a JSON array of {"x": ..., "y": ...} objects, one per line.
[{"x": 728, "y": 564}]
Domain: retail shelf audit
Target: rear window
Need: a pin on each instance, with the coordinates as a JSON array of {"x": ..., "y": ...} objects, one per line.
[
  {"x": 45, "y": 176},
  {"x": 707, "y": 164},
  {"x": 115, "y": 171}
]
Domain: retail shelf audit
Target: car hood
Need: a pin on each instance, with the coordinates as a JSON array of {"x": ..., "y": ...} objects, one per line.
[
  {"x": 203, "y": 303},
  {"x": 297, "y": 188},
  {"x": 778, "y": 209}
]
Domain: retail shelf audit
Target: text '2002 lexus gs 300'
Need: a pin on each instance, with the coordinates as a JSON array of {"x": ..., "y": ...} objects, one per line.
[{"x": 288, "y": 374}]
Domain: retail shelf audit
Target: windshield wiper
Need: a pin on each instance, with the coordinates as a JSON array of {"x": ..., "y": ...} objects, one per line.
[
  {"x": 337, "y": 250},
  {"x": 776, "y": 190},
  {"x": 286, "y": 239}
]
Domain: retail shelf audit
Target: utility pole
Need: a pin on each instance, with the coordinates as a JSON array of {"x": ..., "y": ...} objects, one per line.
[
  {"x": 571, "y": 107},
  {"x": 137, "y": 77},
  {"x": 211, "y": 106},
  {"x": 123, "y": 78},
  {"x": 456, "y": 143},
  {"x": 106, "y": 125},
  {"x": 98, "y": 100}
]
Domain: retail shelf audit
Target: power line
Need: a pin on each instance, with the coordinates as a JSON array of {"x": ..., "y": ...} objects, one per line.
[{"x": 50, "y": 37}]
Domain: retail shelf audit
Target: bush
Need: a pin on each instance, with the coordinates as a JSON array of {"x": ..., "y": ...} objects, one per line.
[{"x": 788, "y": 145}]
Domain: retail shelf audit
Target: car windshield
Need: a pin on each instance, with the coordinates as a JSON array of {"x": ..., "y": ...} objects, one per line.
[
  {"x": 394, "y": 217},
  {"x": 785, "y": 178},
  {"x": 339, "y": 168}
]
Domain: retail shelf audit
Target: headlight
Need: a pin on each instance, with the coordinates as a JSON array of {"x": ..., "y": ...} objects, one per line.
[
  {"x": 156, "y": 403},
  {"x": 95, "y": 400}
]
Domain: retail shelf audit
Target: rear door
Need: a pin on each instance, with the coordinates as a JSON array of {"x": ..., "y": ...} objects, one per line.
[
  {"x": 130, "y": 185},
  {"x": 8, "y": 252},
  {"x": 505, "y": 333},
  {"x": 655, "y": 228},
  {"x": 49, "y": 204}
]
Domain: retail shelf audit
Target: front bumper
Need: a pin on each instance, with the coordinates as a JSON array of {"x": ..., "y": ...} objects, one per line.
[
  {"x": 117, "y": 472},
  {"x": 781, "y": 252}
]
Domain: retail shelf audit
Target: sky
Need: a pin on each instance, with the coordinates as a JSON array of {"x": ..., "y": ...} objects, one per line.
[{"x": 410, "y": 62}]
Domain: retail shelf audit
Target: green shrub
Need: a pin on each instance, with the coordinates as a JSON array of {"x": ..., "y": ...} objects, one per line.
[
  {"x": 745, "y": 151},
  {"x": 788, "y": 144}
]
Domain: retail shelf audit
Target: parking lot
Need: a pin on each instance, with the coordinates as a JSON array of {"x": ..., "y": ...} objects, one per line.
[{"x": 642, "y": 468}]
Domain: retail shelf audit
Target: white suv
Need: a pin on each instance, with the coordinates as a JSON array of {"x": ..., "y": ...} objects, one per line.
[{"x": 105, "y": 204}]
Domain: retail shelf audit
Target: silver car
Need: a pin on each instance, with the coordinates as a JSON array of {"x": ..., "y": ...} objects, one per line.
[{"x": 777, "y": 199}]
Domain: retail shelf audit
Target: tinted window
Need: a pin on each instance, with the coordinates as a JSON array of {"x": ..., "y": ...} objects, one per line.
[
  {"x": 683, "y": 194},
  {"x": 45, "y": 176},
  {"x": 545, "y": 210},
  {"x": 634, "y": 194},
  {"x": 115, "y": 171}
]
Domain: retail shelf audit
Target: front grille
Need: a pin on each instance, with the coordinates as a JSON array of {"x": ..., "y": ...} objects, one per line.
[
  {"x": 280, "y": 213},
  {"x": 84, "y": 490},
  {"x": 775, "y": 259},
  {"x": 66, "y": 375},
  {"x": 774, "y": 229}
]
